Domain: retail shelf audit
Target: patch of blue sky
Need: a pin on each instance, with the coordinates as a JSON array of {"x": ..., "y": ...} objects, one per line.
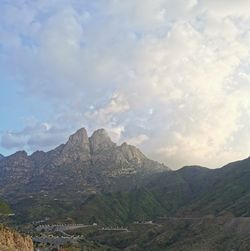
[
  {"x": 28, "y": 41},
  {"x": 16, "y": 107}
]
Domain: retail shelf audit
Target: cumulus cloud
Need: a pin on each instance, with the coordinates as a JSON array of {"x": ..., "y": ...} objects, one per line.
[
  {"x": 107, "y": 113},
  {"x": 169, "y": 76},
  {"x": 35, "y": 135},
  {"x": 12, "y": 140},
  {"x": 137, "y": 140}
]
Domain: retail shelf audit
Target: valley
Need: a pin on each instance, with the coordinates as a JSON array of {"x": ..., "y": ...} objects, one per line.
[
  {"x": 169, "y": 233},
  {"x": 90, "y": 194}
]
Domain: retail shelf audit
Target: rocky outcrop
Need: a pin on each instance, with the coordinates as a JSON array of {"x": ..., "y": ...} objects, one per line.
[
  {"x": 16, "y": 168},
  {"x": 100, "y": 141},
  {"x": 77, "y": 147},
  {"x": 81, "y": 163},
  {"x": 13, "y": 241}
]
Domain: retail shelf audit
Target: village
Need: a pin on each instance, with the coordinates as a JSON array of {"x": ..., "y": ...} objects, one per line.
[{"x": 47, "y": 237}]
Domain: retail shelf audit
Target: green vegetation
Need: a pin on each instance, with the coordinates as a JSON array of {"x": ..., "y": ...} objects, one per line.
[
  {"x": 191, "y": 191},
  {"x": 171, "y": 234},
  {"x": 121, "y": 208},
  {"x": 4, "y": 208}
]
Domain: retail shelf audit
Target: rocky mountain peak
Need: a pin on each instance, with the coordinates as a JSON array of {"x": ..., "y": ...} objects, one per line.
[
  {"x": 38, "y": 155},
  {"x": 100, "y": 140},
  {"x": 77, "y": 147},
  {"x": 19, "y": 154},
  {"x": 82, "y": 163},
  {"x": 79, "y": 138},
  {"x": 131, "y": 152},
  {"x": 1, "y": 156}
]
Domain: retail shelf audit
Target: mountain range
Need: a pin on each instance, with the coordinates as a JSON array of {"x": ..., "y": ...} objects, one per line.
[
  {"x": 91, "y": 179},
  {"x": 80, "y": 164}
]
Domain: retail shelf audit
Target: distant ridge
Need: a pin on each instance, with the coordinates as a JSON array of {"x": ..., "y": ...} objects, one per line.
[
  {"x": 81, "y": 163},
  {"x": 91, "y": 179}
]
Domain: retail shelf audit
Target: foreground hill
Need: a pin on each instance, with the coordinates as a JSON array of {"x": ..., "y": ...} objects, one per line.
[
  {"x": 165, "y": 234},
  {"x": 92, "y": 180},
  {"x": 4, "y": 209},
  {"x": 176, "y": 234},
  {"x": 13, "y": 241}
]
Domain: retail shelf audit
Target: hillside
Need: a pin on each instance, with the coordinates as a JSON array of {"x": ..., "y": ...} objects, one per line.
[
  {"x": 210, "y": 234},
  {"x": 4, "y": 208},
  {"x": 190, "y": 191},
  {"x": 164, "y": 234},
  {"x": 83, "y": 163},
  {"x": 13, "y": 241},
  {"x": 56, "y": 183},
  {"x": 91, "y": 179}
]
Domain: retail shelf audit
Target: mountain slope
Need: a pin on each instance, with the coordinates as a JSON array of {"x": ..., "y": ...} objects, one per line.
[
  {"x": 188, "y": 192},
  {"x": 13, "y": 241},
  {"x": 72, "y": 172},
  {"x": 171, "y": 234},
  {"x": 228, "y": 190},
  {"x": 80, "y": 164},
  {"x": 4, "y": 208},
  {"x": 91, "y": 179}
]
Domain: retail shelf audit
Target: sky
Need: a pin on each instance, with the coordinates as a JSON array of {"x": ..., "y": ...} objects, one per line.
[{"x": 169, "y": 76}]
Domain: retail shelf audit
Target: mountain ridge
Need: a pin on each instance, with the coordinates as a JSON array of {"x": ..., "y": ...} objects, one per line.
[
  {"x": 82, "y": 162},
  {"x": 91, "y": 179}
]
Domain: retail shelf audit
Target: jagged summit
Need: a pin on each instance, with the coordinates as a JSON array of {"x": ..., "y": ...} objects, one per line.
[
  {"x": 98, "y": 148},
  {"x": 78, "y": 140},
  {"x": 81, "y": 146},
  {"x": 100, "y": 140},
  {"x": 131, "y": 152},
  {"x": 77, "y": 147},
  {"x": 19, "y": 154},
  {"x": 102, "y": 153},
  {"x": 82, "y": 162}
]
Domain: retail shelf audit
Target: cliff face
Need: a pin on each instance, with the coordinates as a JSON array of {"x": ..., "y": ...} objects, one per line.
[
  {"x": 13, "y": 241},
  {"x": 82, "y": 163},
  {"x": 72, "y": 172}
]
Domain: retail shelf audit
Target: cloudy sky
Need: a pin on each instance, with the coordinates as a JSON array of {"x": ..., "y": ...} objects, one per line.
[{"x": 170, "y": 76}]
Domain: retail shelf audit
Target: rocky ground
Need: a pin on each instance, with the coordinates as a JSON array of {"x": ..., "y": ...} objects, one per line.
[{"x": 10, "y": 240}]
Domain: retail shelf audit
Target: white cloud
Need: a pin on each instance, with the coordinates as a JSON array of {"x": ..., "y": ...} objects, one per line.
[
  {"x": 10, "y": 140},
  {"x": 171, "y": 76},
  {"x": 224, "y": 8},
  {"x": 34, "y": 136},
  {"x": 137, "y": 140},
  {"x": 104, "y": 115}
]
